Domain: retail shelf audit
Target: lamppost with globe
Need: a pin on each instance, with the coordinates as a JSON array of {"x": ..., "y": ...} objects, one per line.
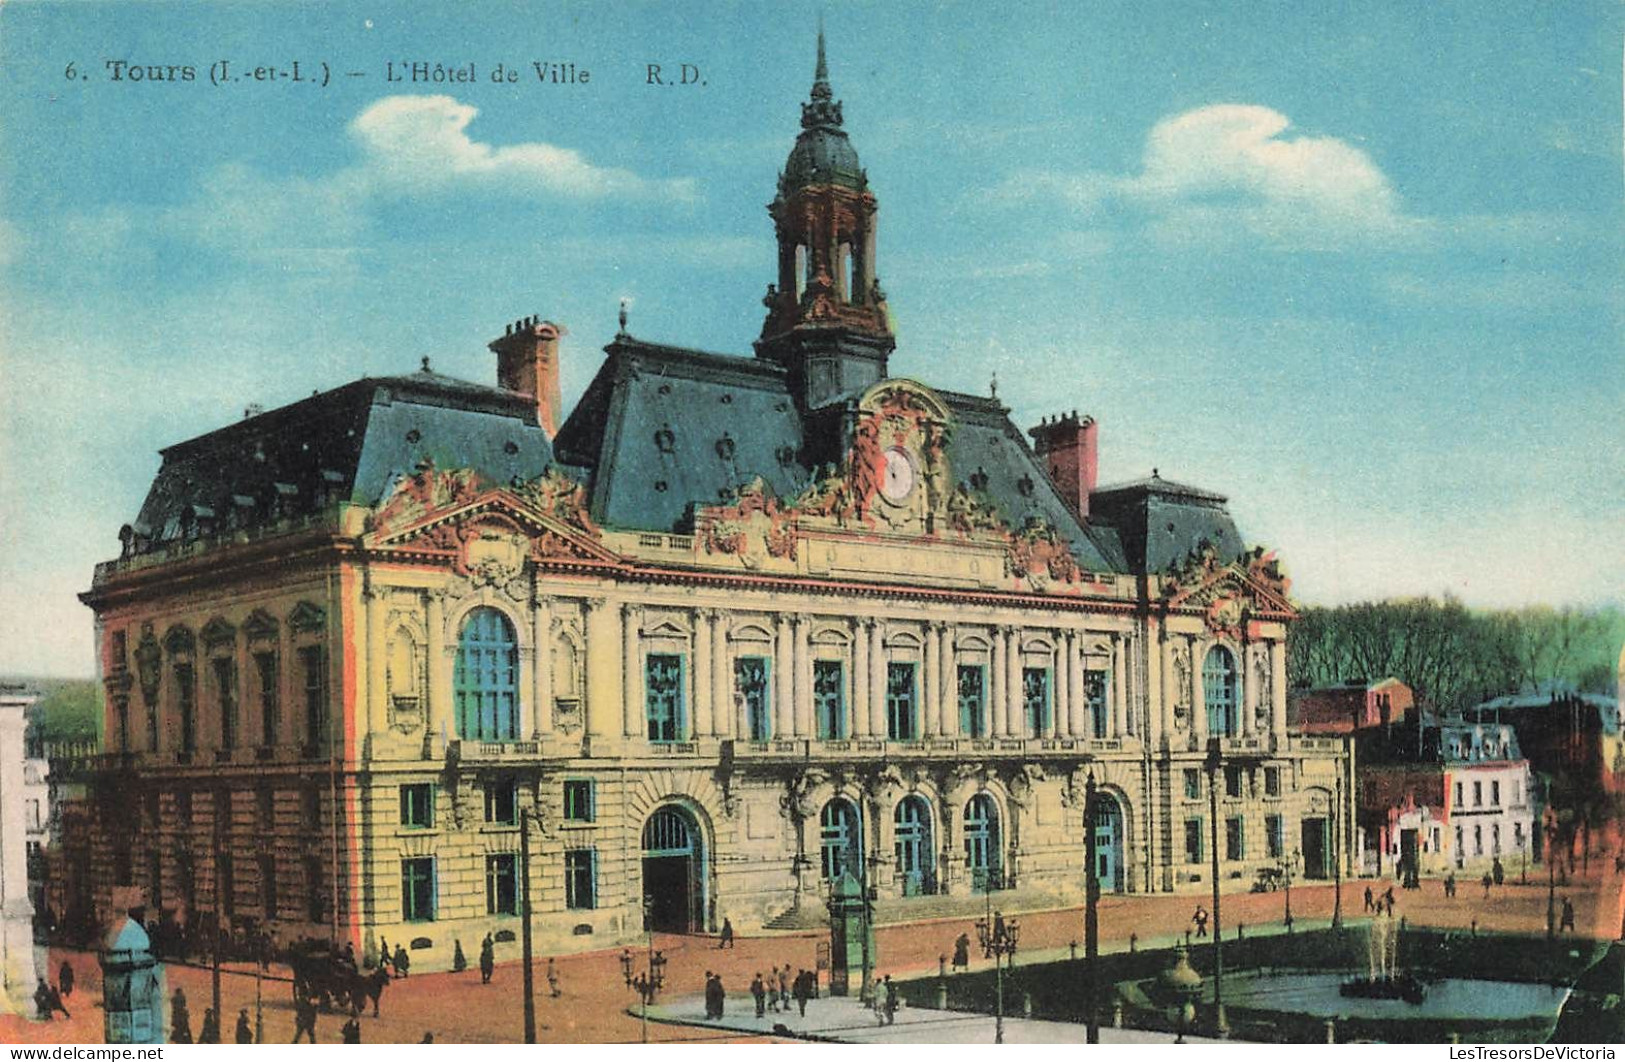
[
  {"x": 998, "y": 938},
  {"x": 1289, "y": 868}
]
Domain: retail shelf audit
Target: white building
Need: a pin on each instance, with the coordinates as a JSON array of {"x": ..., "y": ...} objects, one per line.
[{"x": 18, "y": 972}]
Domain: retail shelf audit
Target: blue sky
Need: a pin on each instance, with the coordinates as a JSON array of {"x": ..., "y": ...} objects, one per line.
[{"x": 1360, "y": 271}]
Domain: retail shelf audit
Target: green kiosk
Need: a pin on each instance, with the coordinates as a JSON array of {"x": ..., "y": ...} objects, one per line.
[{"x": 852, "y": 937}]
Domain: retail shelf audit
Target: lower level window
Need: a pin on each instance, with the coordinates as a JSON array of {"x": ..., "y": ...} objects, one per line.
[
  {"x": 417, "y": 889},
  {"x": 1235, "y": 841},
  {"x": 580, "y": 879},
  {"x": 1274, "y": 835},
  {"x": 1193, "y": 841},
  {"x": 502, "y": 884}
]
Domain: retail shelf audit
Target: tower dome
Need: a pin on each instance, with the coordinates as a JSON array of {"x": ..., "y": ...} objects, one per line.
[{"x": 823, "y": 153}]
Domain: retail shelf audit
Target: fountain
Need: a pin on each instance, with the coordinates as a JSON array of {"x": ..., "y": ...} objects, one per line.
[{"x": 1383, "y": 980}]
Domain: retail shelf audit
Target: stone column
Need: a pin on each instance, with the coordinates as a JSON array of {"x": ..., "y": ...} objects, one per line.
[
  {"x": 1014, "y": 724},
  {"x": 783, "y": 685},
  {"x": 877, "y": 678},
  {"x": 722, "y": 702},
  {"x": 1123, "y": 711},
  {"x": 1198, "y": 702},
  {"x": 996, "y": 694},
  {"x": 439, "y": 689},
  {"x": 604, "y": 669},
  {"x": 860, "y": 678},
  {"x": 930, "y": 716},
  {"x": 633, "y": 723},
  {"x": 377, "y": 692},
  {"x": 1061, "y": 692},
  {"x": 704, "y": 721},
  {"x": 947, "y": 680},
  {"x": 1156, "y": 657},
  {"x": 541, "y": 637},
  {"x": 1249, "y": 689},
  {"x": 805, "y": 725}
]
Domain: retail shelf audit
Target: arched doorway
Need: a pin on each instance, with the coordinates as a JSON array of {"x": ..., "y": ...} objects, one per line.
[
  {"x": 913, "y": 847},
  {"x": 673, "y": 871},
  {"x": 840, "y": 841},
  {"x": 1108, "y": 842},
  {"x": 982, "y": 846}
]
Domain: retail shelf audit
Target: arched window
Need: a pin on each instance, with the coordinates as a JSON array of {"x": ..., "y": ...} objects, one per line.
[
  {"x": 913, "y": 848},
  {"x": 840, "y": 840},
  {"x": 982, "y": 843},
  {"x": 1219, "y": 691},
  {"x": 487, "y": 678}
]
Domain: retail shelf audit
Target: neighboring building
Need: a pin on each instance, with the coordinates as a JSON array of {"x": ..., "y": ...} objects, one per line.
[
  {"x": 1458, "y": 800},
  {"x": 18, "y": 970},
  {"x": 742, "y": 626},
  {"x": 1568, "y": 736},
  {"x": 1353, "y": 706}
]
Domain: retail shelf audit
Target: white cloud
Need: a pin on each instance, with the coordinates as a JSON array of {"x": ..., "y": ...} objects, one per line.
[
  {"x": 1225, "y": 171},
  {"x": 422, "y": 142}
]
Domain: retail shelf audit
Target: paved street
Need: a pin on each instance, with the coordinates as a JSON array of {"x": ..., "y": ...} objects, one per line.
[{"x": 594, "y": 1000}]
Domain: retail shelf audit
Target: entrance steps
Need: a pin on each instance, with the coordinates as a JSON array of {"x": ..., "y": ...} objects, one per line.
[{"x": 894, "y": 910}]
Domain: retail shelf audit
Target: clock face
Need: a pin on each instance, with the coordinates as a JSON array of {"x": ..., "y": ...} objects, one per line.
[{"x": 899, "y": 477}]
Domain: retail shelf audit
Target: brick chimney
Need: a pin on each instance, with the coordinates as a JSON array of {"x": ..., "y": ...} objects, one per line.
[
  {"x": 1069, "y": 448},
  {"x": 528, "y": 364}
]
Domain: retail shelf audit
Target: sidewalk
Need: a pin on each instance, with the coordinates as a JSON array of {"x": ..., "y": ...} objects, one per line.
[{"x": 844, "y": 1020}]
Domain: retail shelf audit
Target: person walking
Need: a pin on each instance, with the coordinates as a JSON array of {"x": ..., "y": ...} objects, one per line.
[
  {"x": 64, "y": 979},
  {"x": 726, "y": 939},
  {"x": 784, "y": 988},
  {"x": 488, "y": 959},
  {"x": 403, "y": 961},
  {"x": 552, "y": 979},
  {"x": 891, "y": 1001},
  {"x": 351, "y": 1033},
  {"x": 758, "y": 992},
  {"x": 180, "y": 1022},
  {"x": 245, "y": 1029},
  {"x": 1487, "y": 881},
  {"x": 1567, "y": 925},
  {"x": 209, "y": 1033},
  {"x": 1199, "y": 917},
  {"x": 1369, "y": 906},
  {"x": 42, "y": 1001},
  {"x": 710, "y": 996},
  {"x": 722, "y": 997},
  {"x": 773, "y": 990},
  {"x": 962, "y": 952},
  {"x": 1498, "y": 872},
  {"x": 304, "y": 1019}
]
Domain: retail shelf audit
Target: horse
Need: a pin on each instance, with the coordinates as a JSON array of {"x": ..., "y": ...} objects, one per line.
[{"x": 368, "y": 986}]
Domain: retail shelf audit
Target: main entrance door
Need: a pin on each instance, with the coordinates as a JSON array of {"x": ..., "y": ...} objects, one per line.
[
  {"x": 673, "y": 872},
  {"x": 1317, "y": 861}
]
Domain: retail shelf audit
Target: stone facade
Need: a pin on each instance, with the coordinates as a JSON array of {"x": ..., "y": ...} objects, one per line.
[{"x": 18, "y": 969}]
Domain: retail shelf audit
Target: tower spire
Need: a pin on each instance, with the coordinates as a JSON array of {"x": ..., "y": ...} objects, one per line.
[{"x": 821, "y": 89}]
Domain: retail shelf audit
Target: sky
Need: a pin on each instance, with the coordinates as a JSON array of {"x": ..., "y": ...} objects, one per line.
[{"x": 1357, "y": 269}]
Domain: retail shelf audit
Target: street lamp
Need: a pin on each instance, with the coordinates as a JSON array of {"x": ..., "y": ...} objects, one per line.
[
  {"x": 1549, "y": 819},
  {"x": 1289, "y": 867},
  {"x": 1091, "y": 916},
  {"x": 871, "y": 872},
  {"x": 1214, "y": 750},
  {"x": 529, "y": 975},
  {"x": 998, "y": 939},
  {"x": 626, "y": 966}
]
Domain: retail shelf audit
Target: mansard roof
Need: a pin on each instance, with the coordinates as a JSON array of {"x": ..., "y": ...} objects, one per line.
[
  {"x": 662, "y": 427},
  {"x": 347, "y": 444},
  {"x": 1160, "y": 522}
]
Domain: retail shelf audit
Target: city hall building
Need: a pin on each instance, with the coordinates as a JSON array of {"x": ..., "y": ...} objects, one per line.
[{"x": 730, "y": 628}]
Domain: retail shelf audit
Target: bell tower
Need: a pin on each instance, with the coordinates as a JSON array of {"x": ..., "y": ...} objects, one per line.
[{"x": 826, "y": 316}]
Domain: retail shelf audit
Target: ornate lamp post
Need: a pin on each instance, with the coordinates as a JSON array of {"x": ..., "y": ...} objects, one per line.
[
  {"x": 998, "y": 939},
  {"x": 1289, "y": 867},
  {"x": 626, "y": 966},
  {"x": 529, "y": 975},
  {"x": 1214, "y": 763}
]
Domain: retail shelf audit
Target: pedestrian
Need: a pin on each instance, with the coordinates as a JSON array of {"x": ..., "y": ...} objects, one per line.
[
  {"x": 428, "y": 1037},
  {"x": 552, "y": 979},
  {"x": 1499, "y": 872},
  {"x": 385, "y": 956},
  {"x": 722, "y": 996},
  {"x": 488, "y": 959},
  {"x": 1388, "y": 898},
  {"x": 42, "y": 1001},
  {"x": 962, "y": 952},
  {"x": 1368, "y": 904},
  {"x": 784, "y": 987},
  {"x": 180, "y": 1022},
  {"x": 759, "y": 992},
  {"x": 245, "y": 1030},
  {"x": 1200, "y": 918},
  {"x": 1567, "y": 924},
  {"x": 304, "y": 1018},
  {"x": 64, "y": 979},
  {"x": 727, "y": 938},
  {"x": 209, "y": 1032},
  {"x": 773, "y": 990},
  {"x": 808, "y": 989},
  {"x": 351, "y": 1033},
  {"x": 403, "y": 961},
  {"x": 891, "y": 1000},
  {"x": 1487, "y": 881},
  {"x": 710, "y": 996}
]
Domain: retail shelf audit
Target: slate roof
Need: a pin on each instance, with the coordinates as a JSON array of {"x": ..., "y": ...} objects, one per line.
[
  {"x": 347, "y": 444},
  {"x": 733, "y": 418},
  {"x": 1160, "y": 522}
]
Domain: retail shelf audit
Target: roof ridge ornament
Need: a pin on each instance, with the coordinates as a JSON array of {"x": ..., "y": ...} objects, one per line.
[{"x": 822, "y": 109}]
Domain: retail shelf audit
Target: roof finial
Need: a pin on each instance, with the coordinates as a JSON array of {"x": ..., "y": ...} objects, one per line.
[
  {"x": 625, "y": 302},
  {"x": 993, "y": 386},
  {"x": 425, "y": 363},
  {"x": 821, "y": 89}
]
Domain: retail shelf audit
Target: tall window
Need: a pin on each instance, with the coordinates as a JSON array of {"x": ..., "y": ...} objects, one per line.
[
  {"x": 973, "y": 700},
  {"x": 1035, "y": 699},
  {"x": 1274, "y": 836},
  {"x": 750, "y": 686},
  {"x": 315, "y": 892},
  {"x": 268, "y": 896},
  {"x": 578, "y": 800},
  {"x": 1272, "y": 781},
  {"x": 663, "y": 696},
  {"x": 901, "y": 721},
  {"x": 502, "y": 802},
  {"x": 1193, "y": 783},
  {"x": 1219, "y": 691},
  {"x": 417, "y": 889},
  {"x": 487, "y": 678},
  {"x": 840, "y": 841},
  {"x": 1235, "y": 839},
  {"x": 225, "y": 690},
  {"x": 1095, "y": 685},
  {"x": 313, "y": 680},
  {"x": 502, "y": 884},
  {"x": 186, "y": 706},
  {"x": 1232, "y": 780},
  {"x": 1193, "y": 841},
  {"x": 982, "y": 848},
  {"x": 1495, "y": 794},
  {"x": 265, "y": 671},
  {"x": 1478, "y": 794},
  {"x": 417, "y": 806},
  {"x": 913, "y": 847},
  {"x": 580, "y": 879},
  {"x": 829, "y": 698}
]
